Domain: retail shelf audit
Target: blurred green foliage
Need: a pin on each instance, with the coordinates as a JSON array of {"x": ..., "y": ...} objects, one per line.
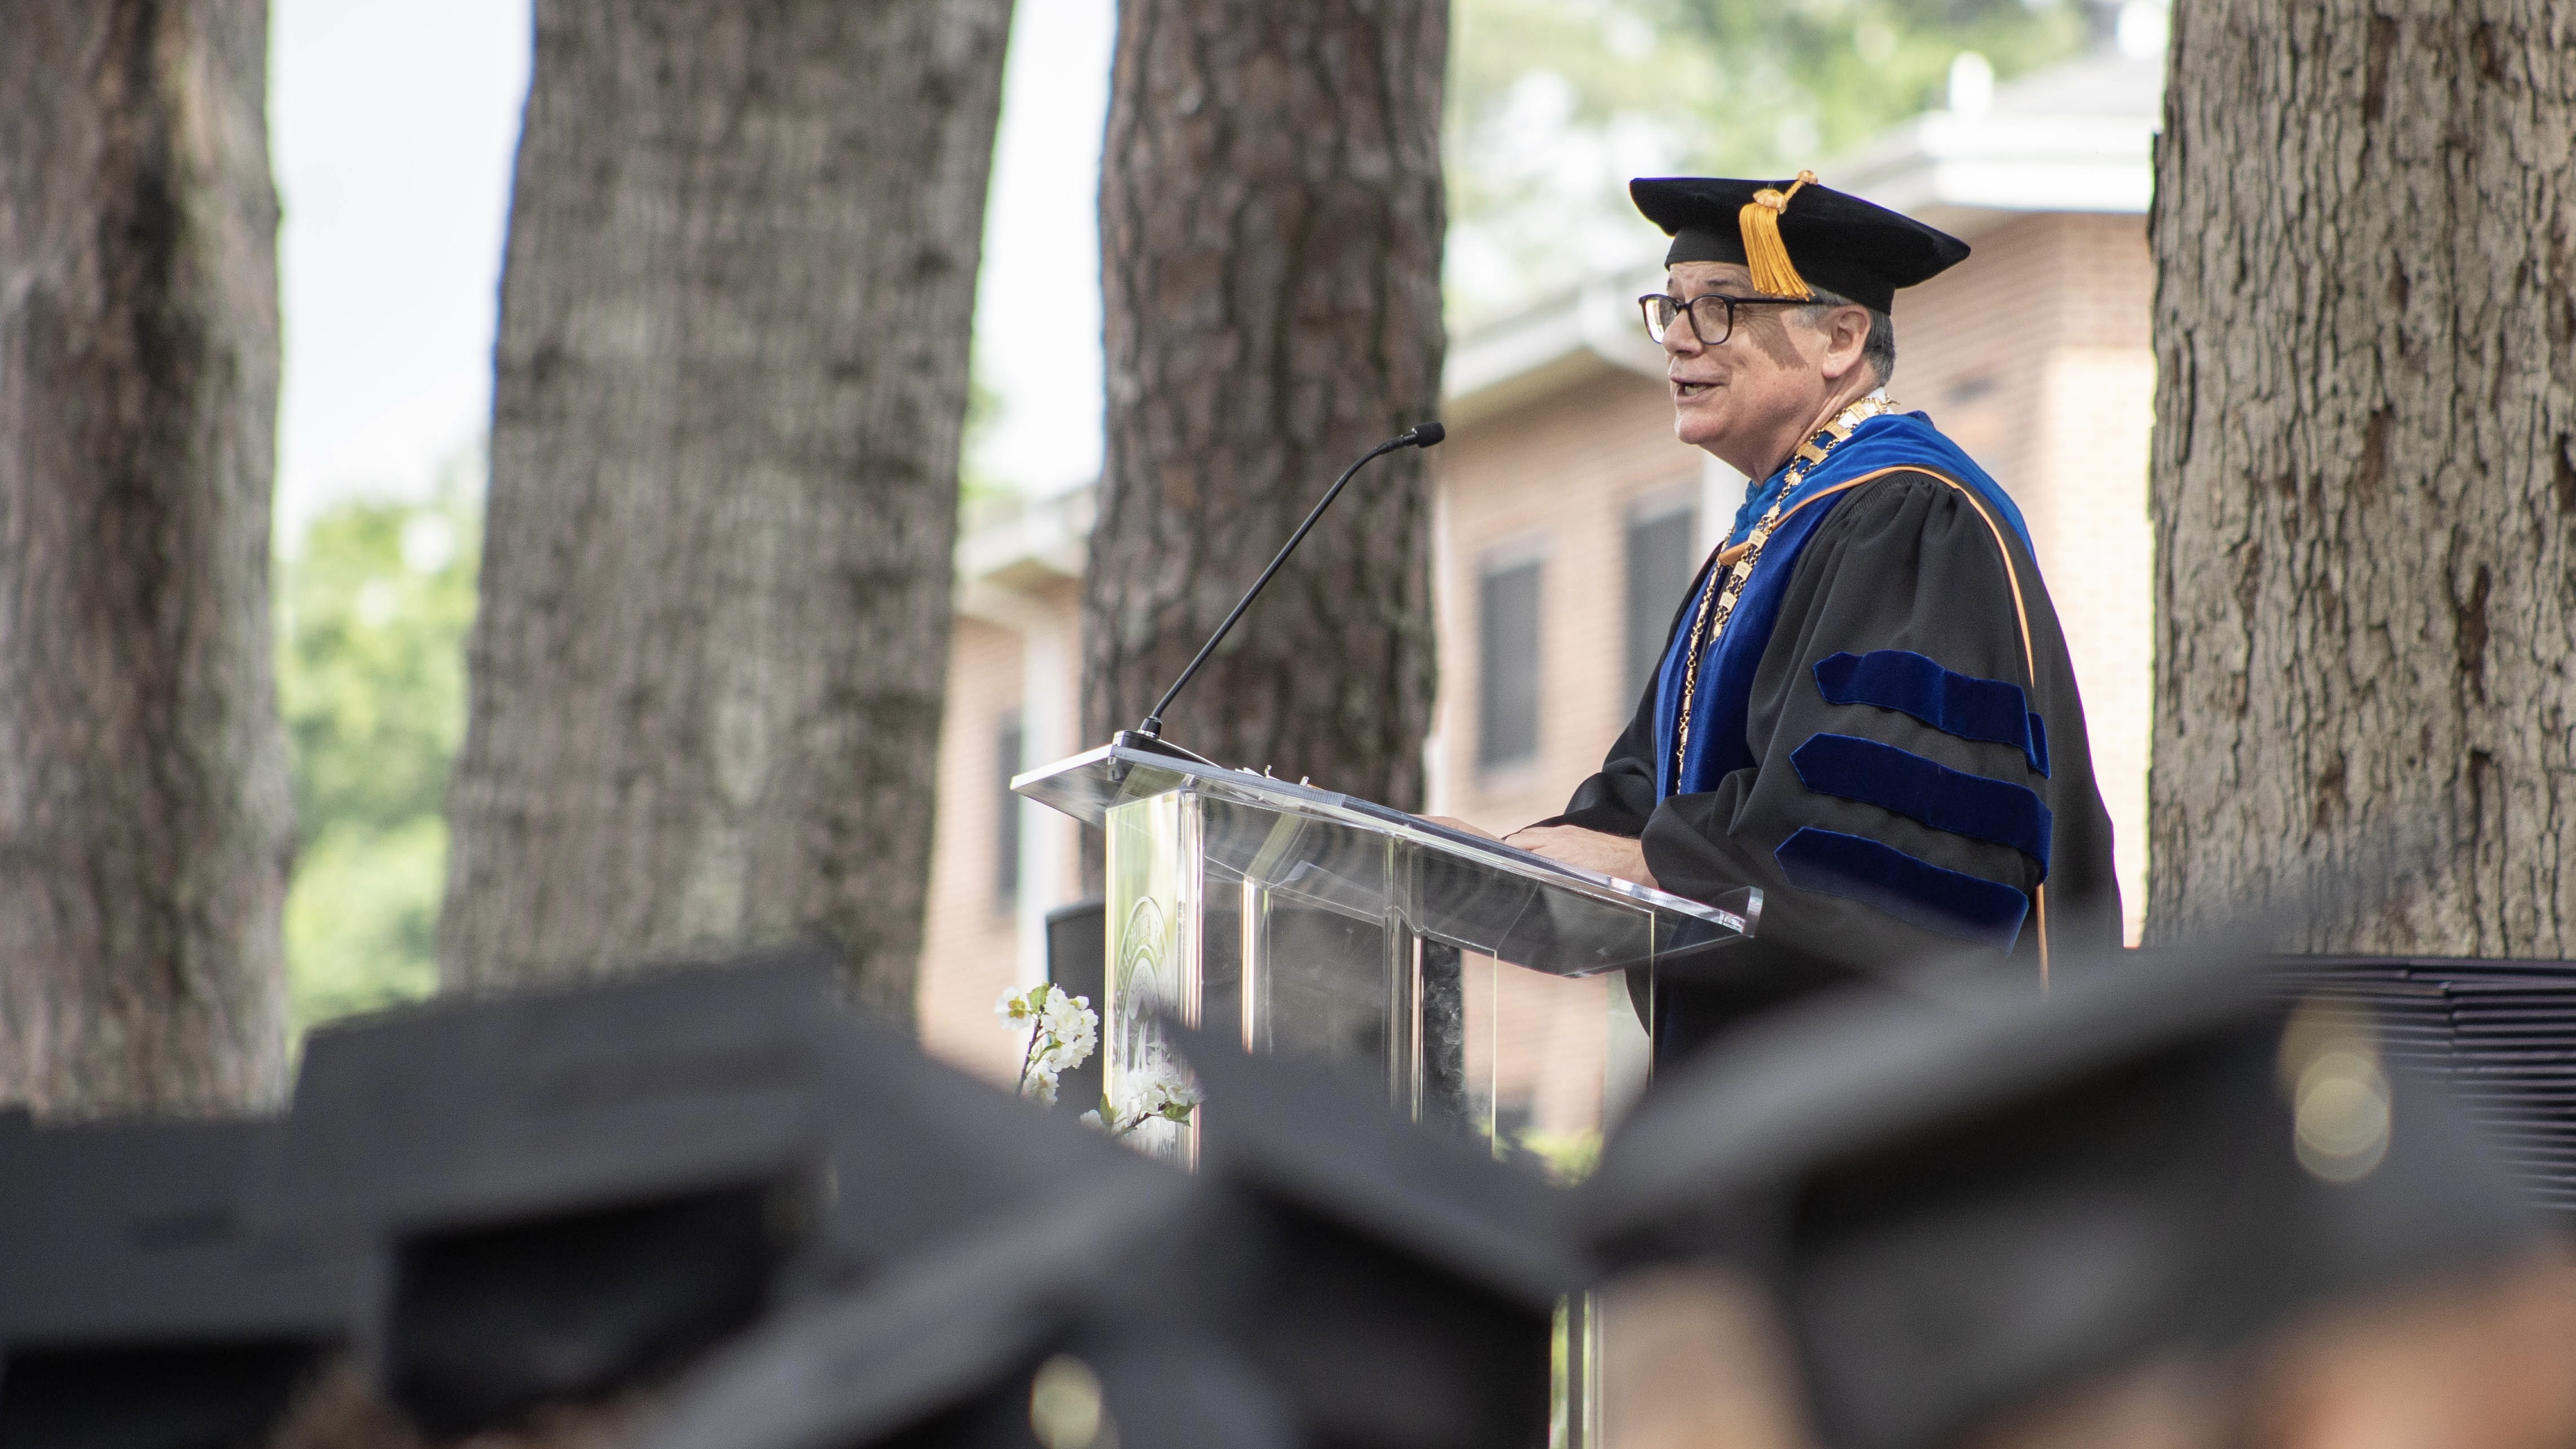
[
  {"x": 1789, "y": 84},
  {"x": 375, "y": 599},
  {"x": 1554, "y": 104},
  {"x": 1568, "y": 1156}
]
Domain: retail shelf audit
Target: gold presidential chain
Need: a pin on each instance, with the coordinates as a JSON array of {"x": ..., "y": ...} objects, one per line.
[{"x": 1716, "y": 606}]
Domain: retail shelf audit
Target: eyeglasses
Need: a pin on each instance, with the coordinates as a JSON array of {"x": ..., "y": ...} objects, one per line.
[{"x": 1712, "y": 316}]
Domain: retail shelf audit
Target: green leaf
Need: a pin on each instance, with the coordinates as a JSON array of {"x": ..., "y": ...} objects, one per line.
[{"x": 374, "y": 602}]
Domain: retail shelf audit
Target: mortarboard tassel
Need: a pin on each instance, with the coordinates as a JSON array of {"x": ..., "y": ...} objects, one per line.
[{"x": 1765, "y": 255}]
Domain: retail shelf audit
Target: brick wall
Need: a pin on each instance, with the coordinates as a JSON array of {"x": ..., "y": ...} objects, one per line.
[
  {"x": 970, "y": 941},
  {"x": 1555, "y": 480}
]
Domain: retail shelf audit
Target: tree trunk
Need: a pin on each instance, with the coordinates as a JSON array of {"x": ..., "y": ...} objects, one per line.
[
  {"x": 731, "y": 377},
  {"x": 145, "y": 821},
  {"x": 1270, "y": 230},
  {"x": 2365, "y": 471}
]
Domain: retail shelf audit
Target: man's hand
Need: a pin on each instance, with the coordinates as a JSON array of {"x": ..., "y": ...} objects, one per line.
[
  {"x": 1617, "y": 855},
  {"x": 1469, "y": 827}
]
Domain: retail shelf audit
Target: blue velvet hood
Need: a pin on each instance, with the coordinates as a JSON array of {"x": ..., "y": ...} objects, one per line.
[{"x": 1717, "y": 740}]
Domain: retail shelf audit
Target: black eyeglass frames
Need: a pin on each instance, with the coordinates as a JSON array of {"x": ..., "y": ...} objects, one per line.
[{"x": 1712, "y": 316}]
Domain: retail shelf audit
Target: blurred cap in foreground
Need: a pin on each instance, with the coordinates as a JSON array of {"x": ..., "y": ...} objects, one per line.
[
  {"x": 569, "y": 1192},
  {"x": 1394, "y": 1282},
  {"x": 1012, "y": 1339},
  {"x": 563, "y": 1191},
  {"x": 135, "y": 1312},
  {"x": 1332, "y": 1276},
  {"x": 1966, "y": 1203}
]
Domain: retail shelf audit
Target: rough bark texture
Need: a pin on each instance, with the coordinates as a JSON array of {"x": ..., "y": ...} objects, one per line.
[
  {"x": 2365, "y": 470},
  {"x": 1270, "y": 229},
  {"x": 145, "y": 821},
  {"x": 707, "y": 671}
]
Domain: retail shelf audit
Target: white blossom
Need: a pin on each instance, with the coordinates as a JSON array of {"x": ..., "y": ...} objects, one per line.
[
  {"x": 1156, "y": 1090},
  {"x": 1062, "y": 1032},
  {"x": 1165, "y": 1097},
  {"x": 1069, "y": 1020}
]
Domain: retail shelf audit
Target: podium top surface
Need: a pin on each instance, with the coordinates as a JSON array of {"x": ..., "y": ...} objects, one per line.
[{"x": 1088, "y": 785}]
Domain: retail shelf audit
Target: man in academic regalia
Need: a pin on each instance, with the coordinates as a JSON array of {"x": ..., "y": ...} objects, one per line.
[{"x": 1865, "y": 706}]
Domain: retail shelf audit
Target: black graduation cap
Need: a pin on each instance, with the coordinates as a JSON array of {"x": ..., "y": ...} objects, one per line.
[
  {"x": 570, "y": 1191},
  {"x": 1968, "y": 1199},
  {"x": 1797, "y": 233},
  {"x": 1044, "y": 1330},
  {"x": 922, "y": 1152},
  {"x": 1395, "y": 1283},
  {"x": 135, "y": 1312},
  {"x": 1332, "y": 1277},
  {"x": 561, "y": 1192}
]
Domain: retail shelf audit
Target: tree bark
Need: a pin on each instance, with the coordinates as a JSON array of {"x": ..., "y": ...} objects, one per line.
[
  {"x": 731, "y": 377},
  {"x": 2365, "y": 473},
  {"x": 145, "y": 821},
  {"x": 1270, "y": 232}
]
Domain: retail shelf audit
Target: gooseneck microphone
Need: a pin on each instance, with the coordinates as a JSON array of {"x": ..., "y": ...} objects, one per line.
[{"x": 1420, "y": 436}]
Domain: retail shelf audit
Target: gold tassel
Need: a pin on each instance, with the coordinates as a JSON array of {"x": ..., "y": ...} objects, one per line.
[{"x": 1765, "y": 255}]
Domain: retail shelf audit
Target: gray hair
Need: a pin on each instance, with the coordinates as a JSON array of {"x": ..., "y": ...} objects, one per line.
[{"x": 1879, "y": 350}]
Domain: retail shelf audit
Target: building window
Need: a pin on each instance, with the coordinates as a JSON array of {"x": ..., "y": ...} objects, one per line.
[
  {"x": 1006, "y": 824},
  {"x": 1663, "y": 554},
  {"x": 1507, "y": 662}
]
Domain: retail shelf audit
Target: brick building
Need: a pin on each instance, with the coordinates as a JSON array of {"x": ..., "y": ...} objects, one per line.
[{"x": 1569, "y": 519}]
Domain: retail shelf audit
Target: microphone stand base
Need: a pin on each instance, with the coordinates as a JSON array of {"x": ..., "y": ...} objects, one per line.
[{"x": 1146, "y": 744}]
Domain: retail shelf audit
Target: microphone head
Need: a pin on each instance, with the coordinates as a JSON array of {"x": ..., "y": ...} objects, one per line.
[{"x": 1425, "y": 435}]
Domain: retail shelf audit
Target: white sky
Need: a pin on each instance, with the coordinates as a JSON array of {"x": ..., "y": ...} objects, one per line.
[
  {"x": 1042, "y": 246},
  {"x": 393, "y": 127}
]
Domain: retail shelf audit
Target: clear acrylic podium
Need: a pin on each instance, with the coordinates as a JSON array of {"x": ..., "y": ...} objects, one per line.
[{"x": 1471, "y": 982}]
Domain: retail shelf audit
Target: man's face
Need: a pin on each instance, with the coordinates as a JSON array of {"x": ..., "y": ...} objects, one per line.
[{"x": 1739, "y": 396}]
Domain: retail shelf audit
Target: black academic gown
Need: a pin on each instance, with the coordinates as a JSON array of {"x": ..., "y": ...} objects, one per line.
[{"x": 1903, "y": 563}]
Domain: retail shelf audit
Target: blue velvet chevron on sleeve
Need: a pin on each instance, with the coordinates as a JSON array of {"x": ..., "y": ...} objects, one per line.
[
  {"x": 1907, "y": 784},
  {"x": 1945, "y": 902},
  {"x": 1964, "y": 705}
]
